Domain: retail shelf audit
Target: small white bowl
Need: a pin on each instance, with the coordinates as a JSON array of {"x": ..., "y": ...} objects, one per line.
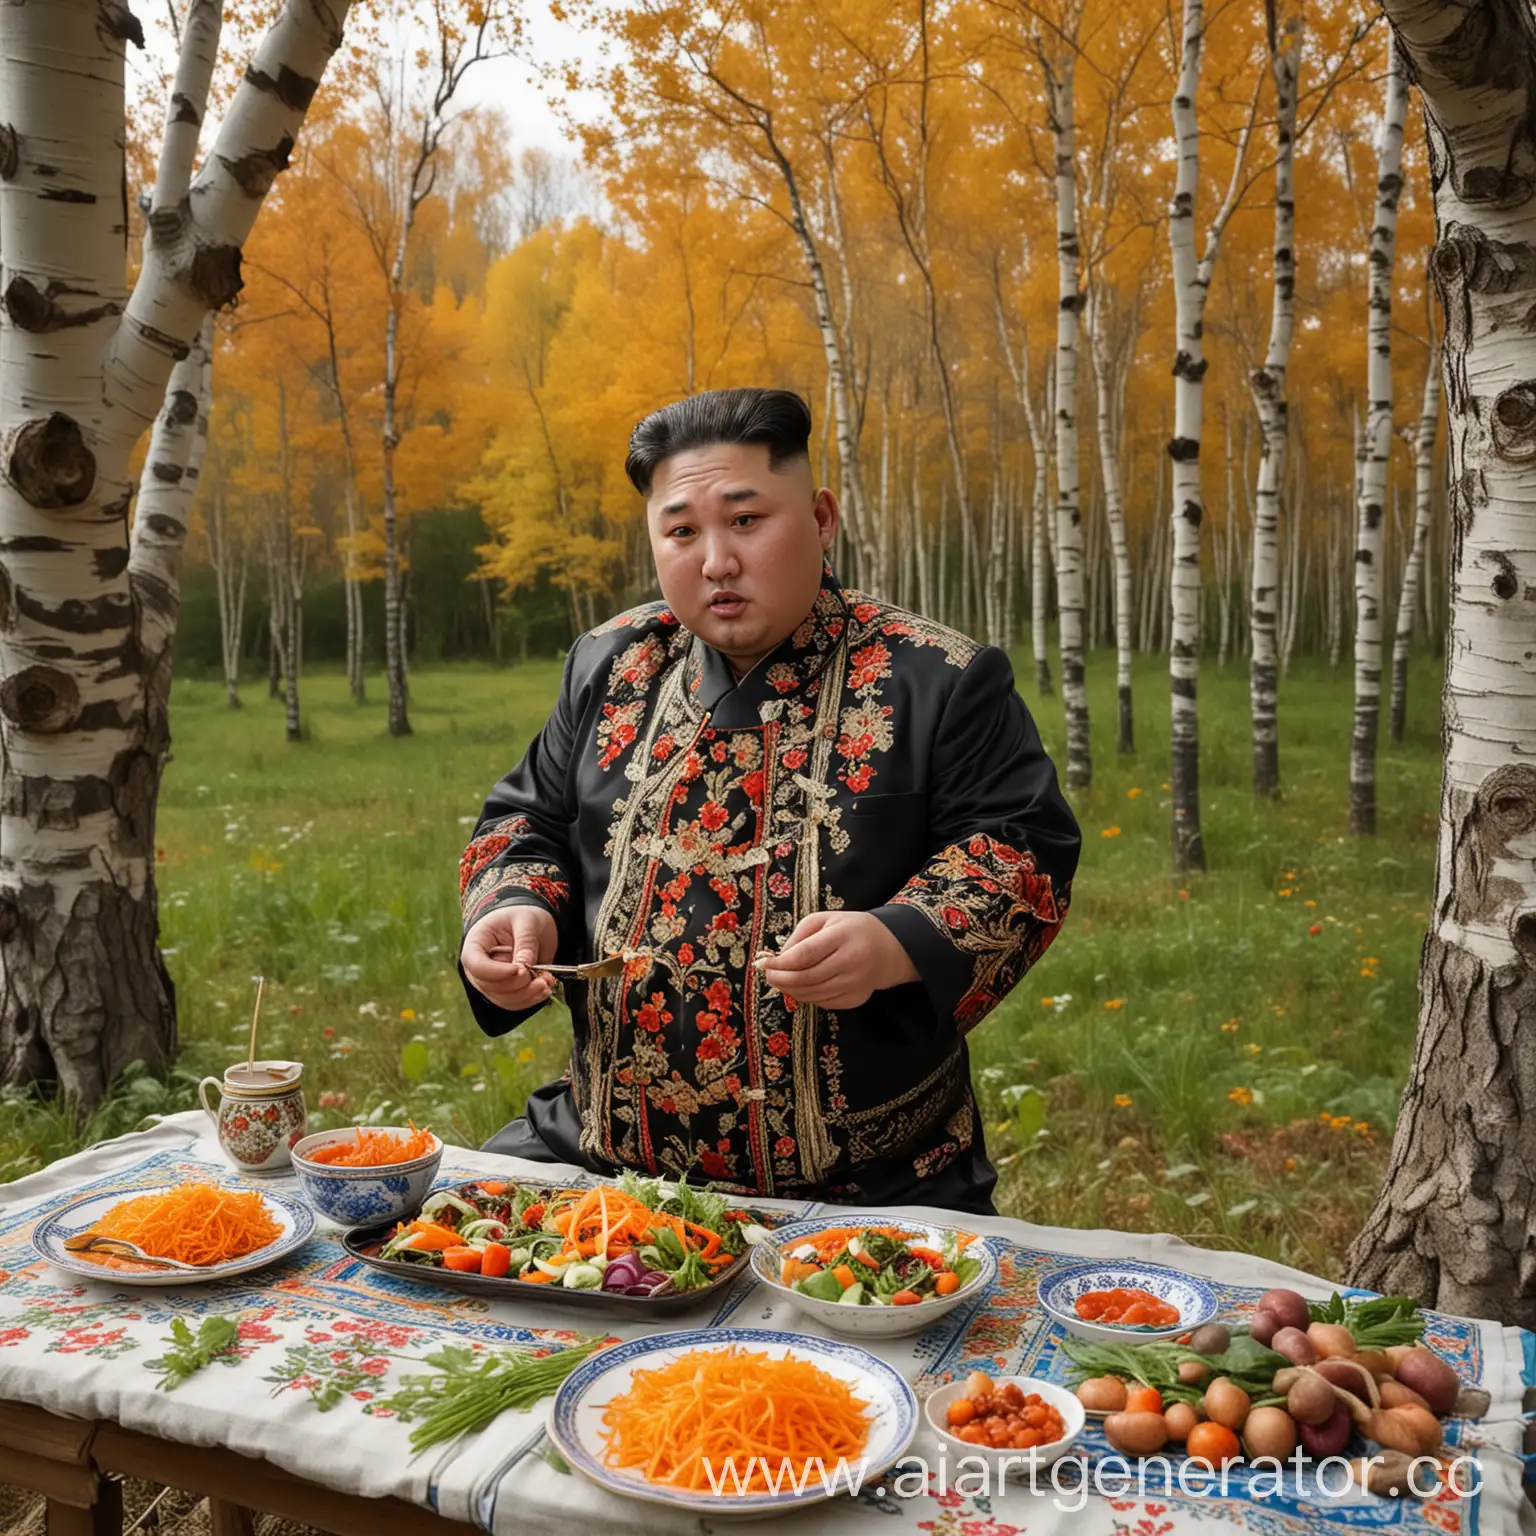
[
  {"x": 1058, "y": 1293},
  {"x": 871, "y": 1322},
  {"x": 364, "y": 1197},
  {"x": 1022, "y": 1462}
]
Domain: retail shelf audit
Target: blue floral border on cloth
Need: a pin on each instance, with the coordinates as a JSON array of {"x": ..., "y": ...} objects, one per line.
[{"x": 334, "y": 1298}]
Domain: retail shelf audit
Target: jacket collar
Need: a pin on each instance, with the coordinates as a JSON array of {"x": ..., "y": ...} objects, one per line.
[{"x": 788, "y": 669}]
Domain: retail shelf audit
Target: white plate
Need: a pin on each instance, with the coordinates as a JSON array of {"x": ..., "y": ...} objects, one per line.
[
  {"x": 576, "y": 1420},
  {"x": 1058, "y": 1293},
  {"x": 873, "y": 1321},
  {"x": 296, "y": 1221},
  {"x": 1009, "y": 1461}
]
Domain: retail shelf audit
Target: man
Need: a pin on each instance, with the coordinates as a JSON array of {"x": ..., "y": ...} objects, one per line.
[{"x": 829, "y": 823}]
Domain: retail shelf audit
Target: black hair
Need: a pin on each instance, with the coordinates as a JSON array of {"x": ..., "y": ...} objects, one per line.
[{"x": 777, "y": 418}]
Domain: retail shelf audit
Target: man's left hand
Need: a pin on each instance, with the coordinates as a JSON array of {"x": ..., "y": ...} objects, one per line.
[{"x": 838, "y": 960}]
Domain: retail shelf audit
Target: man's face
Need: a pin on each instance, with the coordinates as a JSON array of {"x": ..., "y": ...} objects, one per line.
[{"x": 738, "y": 545}]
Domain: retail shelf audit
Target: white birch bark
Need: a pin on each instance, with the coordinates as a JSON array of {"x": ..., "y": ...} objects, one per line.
[
  {"x": 1377, "y": 445},
  {"x": 1070, "y": 612},
  {"x": 1454, "y": 1218},
  {"x": 1110, "y": 364},
  {"x": 1269, "y": 398},
  {"x": 1422, "y": 440},
  {"x": 84, "y": 991},
  {"x": 230, "y": 558}
]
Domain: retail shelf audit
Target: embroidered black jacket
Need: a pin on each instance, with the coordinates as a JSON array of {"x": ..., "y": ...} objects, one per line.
[{"x": 876, "y": 761}]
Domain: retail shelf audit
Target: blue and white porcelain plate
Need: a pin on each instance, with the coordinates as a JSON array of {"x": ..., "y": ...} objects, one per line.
[
  {"x": 1059, "y": 1291},
  {"x": 297, "y": 1223},
  {"x": 576, "y": 1420}
]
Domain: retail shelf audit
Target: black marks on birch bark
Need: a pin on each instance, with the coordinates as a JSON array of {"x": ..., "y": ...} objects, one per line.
[
  {"x": 1506, "y": 582},
  {"x": 1514, "y": 423},
  {"x": 117, "y": 21},
  {"x": 49, "y": 463},
  {"x": 215, "y": 275},
  {"x": 42, "y": 700},
  {"x": 10, "y": 152},
  {"x": 38, "y": 311},
  {"x": 255, "y": 172},
  {"x": 294, "y": 90}
]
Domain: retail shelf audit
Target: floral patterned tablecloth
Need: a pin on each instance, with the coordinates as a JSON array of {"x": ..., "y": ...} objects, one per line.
[{"x": 323, "y": 1339}]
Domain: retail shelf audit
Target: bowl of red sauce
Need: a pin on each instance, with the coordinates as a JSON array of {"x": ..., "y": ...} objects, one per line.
[{"x": 1112, "y": 1301}]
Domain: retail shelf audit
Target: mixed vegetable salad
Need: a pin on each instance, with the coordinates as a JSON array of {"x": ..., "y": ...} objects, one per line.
[
  {"x": 636, "y": 1238},
  {"x": 878, "y": 1266}
]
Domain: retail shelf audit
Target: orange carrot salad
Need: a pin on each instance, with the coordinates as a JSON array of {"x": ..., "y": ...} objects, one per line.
[
  {"x": 375, "y": 1149},
  {"x": 194, "y": 1223},
  {"x": 718, "y": 1404}
]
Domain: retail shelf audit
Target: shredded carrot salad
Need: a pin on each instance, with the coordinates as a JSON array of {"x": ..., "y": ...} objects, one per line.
[
  {"x": 375, "y": 1149},
  {"x": 604, "y": 1220},
  {"x": 733, "y": 1404},
  {"x": 194, "y": 1223}
]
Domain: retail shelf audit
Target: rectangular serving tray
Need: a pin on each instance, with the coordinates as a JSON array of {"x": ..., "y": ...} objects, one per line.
[{"x": 363, "y": 1243}]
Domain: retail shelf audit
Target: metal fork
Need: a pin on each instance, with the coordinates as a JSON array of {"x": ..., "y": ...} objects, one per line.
[
  {"x": 83, "y": 1242},
  {"x": 588, "y": 970}
]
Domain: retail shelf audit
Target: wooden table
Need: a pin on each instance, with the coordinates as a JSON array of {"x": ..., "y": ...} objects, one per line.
[{"x": 77, "y": 1464}]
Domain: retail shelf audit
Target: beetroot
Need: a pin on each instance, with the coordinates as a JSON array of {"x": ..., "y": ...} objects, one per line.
[{"x": 1328, "y": 1438}]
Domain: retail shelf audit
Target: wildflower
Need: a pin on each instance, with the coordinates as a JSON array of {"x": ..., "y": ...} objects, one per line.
[
  {"x": 1309, "y": 903},
  {"x": 525, "y": 1055},
  {"x": 1167, "y": 786},
  {"x": 297, "y": 1009},
  {"x": 1368, "y": 973},
  {"x": 408, "y": 1014},
  {"x": 1183, "y": 895},
  {"x": 1110, "y": 832},
  {"x": 1115, "y": 1004},
  {"x": 1230, "y": 1027},
  {"x": 1362, "y": 1127},
  {"x": 1290, "y": 1165},
  {"x": 330, "y": 1100},
  {"x": 1315, "y": 929},
  {"x": 1290, "y": 874},
  {"x": 1253, "y": 1048},
  {"x": 1241, "y": 1096},
  {"x": 1133, "y": 794},
  {"x": 328, "y": 1032},
  {"x": 1003, "y": 1125},
  {"x": 1339, "y": 1122},
  {"x": 1047, "y": 1002},
  {"x": 1285, "y": 890},
  {"x": 1123, "y": 1100}
]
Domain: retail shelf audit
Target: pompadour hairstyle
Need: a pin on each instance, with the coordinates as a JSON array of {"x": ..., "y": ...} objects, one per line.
[{"x": 777, "y": 418}]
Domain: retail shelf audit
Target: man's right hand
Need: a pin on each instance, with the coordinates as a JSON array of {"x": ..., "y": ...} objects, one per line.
[{"x": 516, "y": 984}]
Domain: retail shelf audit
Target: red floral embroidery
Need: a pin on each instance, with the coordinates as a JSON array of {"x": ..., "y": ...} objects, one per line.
[{"x": 617, "y": 729}]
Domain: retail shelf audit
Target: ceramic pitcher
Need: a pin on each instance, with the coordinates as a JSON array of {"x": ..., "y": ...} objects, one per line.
[{"x": 260, "y": 1114}]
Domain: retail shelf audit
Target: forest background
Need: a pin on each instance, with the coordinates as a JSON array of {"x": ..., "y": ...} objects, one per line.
[{"x": 867, "y": 206}]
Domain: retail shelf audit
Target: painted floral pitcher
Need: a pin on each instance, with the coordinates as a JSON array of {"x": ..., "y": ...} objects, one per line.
[{"x": 261, "y": 1114}]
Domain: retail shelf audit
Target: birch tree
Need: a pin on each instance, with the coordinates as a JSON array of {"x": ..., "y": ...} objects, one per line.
[
  {"x": 1377, "y": 449},
  {"x": 1452, "y": 1225},
  {"x": 1421, "y": 438},
  {"x": 1069, "y": 531},
  {"x": 1191, "y": 288},
  {"x": 1269, "y": 398},
  {"x": 86, "y": 616}
]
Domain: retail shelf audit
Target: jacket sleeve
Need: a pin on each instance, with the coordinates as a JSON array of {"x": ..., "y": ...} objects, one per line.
[
  {"x": 994, "y": 892},
  {"x": 521, "y": 853}
]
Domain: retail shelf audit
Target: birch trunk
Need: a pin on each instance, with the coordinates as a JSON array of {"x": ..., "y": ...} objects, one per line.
[
  {"x": 1270, "y": 401},
  {"x": 394, "y": 659},
  {"x": 1454, "y": 1219},
  {"x": 1069, "y": 532},
  {"x": 1373, "y": 468},
  {"x": 1184, "y": 452},
  {"x": 1106, "y": 364},
  {"x": 230, "y": 559},
  {"x": 85, "y": 618},
  {"x": 1423, "y": 441}
]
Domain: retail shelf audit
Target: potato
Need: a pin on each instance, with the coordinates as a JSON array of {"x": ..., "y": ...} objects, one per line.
[
  {"x": 1136, "y": 1434},
  {"x": 1102, "y": 1394},
  {"x": 1311, "y": 1401},
  {"x": 1226, "y": 1403},
  {"x": 1211, "y": 1339},
  {"x": 1269, "y": 1432},
  {"x": 1295, "y": 1346},
  {"x": 1180, "y": 1419},
  {"x": 1374, "y": 1361},
  {"x": 1395, "y": 1395},
  {"x": 1330, "y": 1437},
  {"x": 1388, "y": 1475},
  {"x": 1393, "y": 1433},
  {"x": 1289, "y": 1306},
  {"x": 1425, "y": 1423},
  {"x": 1263, "y": 1326},
  {"x": 1193, "y": 1372},
  {"x": 1331, "y": 1341},
  {"x": 1349, "y": 1375},
  {"x": 1427, "y": 1374}
]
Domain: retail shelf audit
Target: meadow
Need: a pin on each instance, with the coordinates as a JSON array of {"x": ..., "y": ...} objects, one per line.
[{"x": 1217, "y": 1055}]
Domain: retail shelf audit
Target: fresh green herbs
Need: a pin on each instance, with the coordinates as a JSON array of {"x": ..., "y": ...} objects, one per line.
[
  {"x": 215, "y": 1339},
  {"x": 1156, "y": 1364},
  {"x": 468, "y": 1391},
  {"x": 1374, "y": 1322}
]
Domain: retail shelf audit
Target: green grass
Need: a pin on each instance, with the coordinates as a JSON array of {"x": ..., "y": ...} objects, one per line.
[{"x": 330, "y": 868}]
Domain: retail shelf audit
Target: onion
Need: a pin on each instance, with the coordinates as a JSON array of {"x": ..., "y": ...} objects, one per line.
[{"x": 629, "y": 1269}]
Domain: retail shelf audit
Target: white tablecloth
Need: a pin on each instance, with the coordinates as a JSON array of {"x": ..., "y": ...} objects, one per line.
[{"x": 81, "y": 1348}]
